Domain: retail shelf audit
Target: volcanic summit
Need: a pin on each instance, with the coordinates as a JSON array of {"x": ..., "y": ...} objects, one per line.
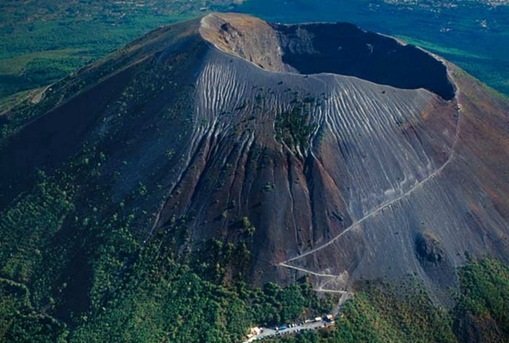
[{"x": 327, "y": 151}]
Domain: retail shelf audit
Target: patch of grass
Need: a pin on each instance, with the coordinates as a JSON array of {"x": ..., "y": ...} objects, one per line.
[{"x": 293, "y": 128}]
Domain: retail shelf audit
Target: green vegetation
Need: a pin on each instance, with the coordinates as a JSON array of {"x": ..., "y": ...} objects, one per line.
[
  {"x": 152, "y": 298},
  {"x": 27, "y": 226},
  {"x": 77, "y": 263},
  {"x": 247, "y": 228},
  {"x": 71, "y": 270},
  {"x": 488, "y": 69},
  {"x": 19, "y": 322},
  {"x": 220, "y": 261},
  {"x": 483, "y": 300},
  {"x": 43, "y": 41},
  {"x": 274, "y": 305},
  {"x": 161, "y": 300},
  {"x": 379, "y": 313},
  {"x": 167, "y": 301},
  {"x": 293, "y": 128}
]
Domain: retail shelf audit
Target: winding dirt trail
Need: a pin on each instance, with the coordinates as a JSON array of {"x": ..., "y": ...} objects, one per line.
[{"x": 377, "y": 209}]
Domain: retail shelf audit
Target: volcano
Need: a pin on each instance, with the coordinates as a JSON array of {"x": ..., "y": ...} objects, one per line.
[{"x": 343, "y": 155}]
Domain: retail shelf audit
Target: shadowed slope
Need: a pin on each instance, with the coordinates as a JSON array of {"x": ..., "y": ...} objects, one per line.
[
  {"x": 339, "y": 48},
  {"x": 347, "y": 50}
]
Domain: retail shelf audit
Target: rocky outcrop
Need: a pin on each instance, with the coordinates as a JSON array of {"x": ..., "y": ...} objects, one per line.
[{"x": 244, "y": 36}]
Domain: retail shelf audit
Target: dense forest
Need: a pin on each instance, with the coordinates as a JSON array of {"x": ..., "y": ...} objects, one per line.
[{"x": 129, "y": 291}]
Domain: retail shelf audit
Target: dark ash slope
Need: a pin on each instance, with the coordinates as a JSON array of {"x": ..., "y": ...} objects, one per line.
[{"x": 209, "y": 125}]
